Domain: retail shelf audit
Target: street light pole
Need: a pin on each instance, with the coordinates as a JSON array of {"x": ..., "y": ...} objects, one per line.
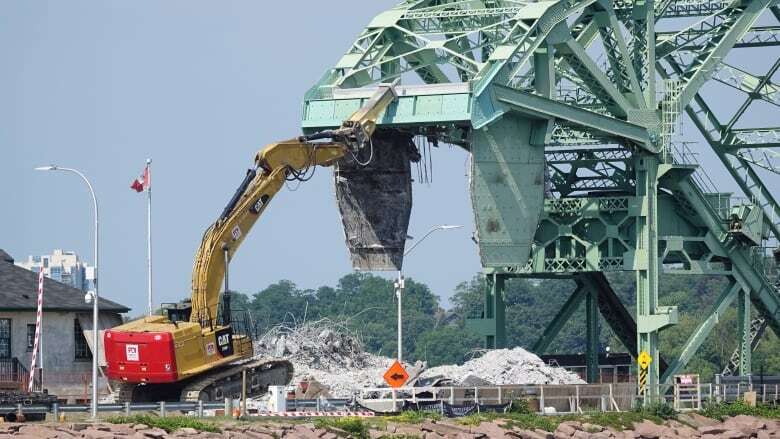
[
  {"x": 95, "y": 295},
  {"x": 399, "y": 288},
  {"x": 400, "y": 285}
]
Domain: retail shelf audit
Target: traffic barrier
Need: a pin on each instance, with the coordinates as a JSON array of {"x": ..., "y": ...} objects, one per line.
[{"x": 364, "y": 414}]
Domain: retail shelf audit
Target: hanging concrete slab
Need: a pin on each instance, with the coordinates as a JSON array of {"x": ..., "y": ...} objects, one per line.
[{"x": 375, "y": 201}]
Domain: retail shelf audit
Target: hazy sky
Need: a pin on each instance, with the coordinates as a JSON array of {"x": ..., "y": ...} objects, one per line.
[{"x": 198, "y": 86}]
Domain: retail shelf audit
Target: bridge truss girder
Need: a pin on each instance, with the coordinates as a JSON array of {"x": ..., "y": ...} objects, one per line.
[{"x": 574, "y": 171}]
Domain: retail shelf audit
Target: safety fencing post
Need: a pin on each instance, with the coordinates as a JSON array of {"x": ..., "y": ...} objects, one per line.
[{"x": 577, "y": 396}]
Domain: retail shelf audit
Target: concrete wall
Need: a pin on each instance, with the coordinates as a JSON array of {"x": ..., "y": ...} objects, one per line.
[{"x": 63, "y": 375}]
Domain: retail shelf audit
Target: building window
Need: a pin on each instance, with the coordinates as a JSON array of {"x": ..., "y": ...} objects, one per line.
[
  {"x": 5, "y": 338},
  {"x": 30, "y": 336},
  {"x": 82, "y": 349}
]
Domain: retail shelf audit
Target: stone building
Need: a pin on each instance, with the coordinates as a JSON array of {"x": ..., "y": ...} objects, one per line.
[{"x": 66, "y": 338}]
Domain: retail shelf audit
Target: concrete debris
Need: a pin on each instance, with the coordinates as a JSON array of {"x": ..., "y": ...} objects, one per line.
[
  {"x": 504, "y": 366},
  {"x": 326, "y": 351},
  {"x": 331, "y": 357}
]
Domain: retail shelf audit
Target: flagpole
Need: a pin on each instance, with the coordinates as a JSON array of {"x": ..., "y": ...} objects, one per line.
[{"x": 149, "y": 231}]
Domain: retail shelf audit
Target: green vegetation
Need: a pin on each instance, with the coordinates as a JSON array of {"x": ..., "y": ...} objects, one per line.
[
  {"x": 414, "y": 417},
  {"x": 473, "y": 419},
  {"x": 169, "y": 424},
  {"x": 356, "y": 427},
  {"x": 520, "y": 406},
  {"x": 365, "y": 303},
  {"x": 532, "y": 421},
  {"x": 438, "y": 335},
  {"x": 722, "y": 410},
  {"x": 619, "y": 420},
  {"x": 661, "y": 410}
]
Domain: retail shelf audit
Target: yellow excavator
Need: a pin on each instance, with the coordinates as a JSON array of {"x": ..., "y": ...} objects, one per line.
[{"x": 198, "y": 351}]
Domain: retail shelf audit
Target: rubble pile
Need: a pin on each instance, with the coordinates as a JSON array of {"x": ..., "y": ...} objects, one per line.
[
  {"x": 333, "y": 355},
  {"x": 326, "y": 351},
  {"x": 504, "y": 366},
  {"x": 320, "y": 344}
]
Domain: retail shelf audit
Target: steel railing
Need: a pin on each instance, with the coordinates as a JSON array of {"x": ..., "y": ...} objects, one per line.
[
  {"x": 543, "y": 399},
  {"x": 199, "y": 408}
]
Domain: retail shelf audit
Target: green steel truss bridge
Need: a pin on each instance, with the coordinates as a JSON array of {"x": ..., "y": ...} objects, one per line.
[{"x": 571, "y": 110}]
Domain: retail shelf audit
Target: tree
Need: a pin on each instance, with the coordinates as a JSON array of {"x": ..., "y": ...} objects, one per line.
[
  {"x": 445, "y": 345},
  {"x": 281, "y": 302},
  {"x": 367, "y": 304}
]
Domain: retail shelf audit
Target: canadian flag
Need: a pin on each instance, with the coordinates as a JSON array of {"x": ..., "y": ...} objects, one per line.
[{"x": 144, "y": 182}]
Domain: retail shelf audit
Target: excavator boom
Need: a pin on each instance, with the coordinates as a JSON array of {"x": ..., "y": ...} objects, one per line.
[
  {"x": 199, "y": 356},
  {"x": 273, "y": 166}
]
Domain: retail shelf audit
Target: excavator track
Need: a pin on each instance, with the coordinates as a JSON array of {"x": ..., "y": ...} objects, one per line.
[
  {"x": 123, "y": 391},
  {"x": 215, "y": 385},
  {"x": 226, "y": 382}
]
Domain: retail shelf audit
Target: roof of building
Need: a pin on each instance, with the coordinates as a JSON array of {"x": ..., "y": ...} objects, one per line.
[{"x": 19, "y": 287}]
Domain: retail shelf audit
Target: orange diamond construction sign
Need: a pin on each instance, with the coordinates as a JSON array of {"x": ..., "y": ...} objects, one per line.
[{"x": 396, "y": 375}]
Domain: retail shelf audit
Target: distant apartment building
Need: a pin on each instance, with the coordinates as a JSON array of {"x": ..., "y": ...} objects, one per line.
[{"x": 63, "y": 266}]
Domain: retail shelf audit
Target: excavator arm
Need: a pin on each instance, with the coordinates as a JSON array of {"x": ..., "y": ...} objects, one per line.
[{"x": 273, "y": 165}]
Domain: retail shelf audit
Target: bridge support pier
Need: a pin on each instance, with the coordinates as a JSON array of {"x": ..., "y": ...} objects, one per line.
[{"x": 645, "y": 263}]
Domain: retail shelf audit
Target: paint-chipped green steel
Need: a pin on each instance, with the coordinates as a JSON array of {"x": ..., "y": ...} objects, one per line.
[
  {"x": 572, "y": 172},
  {"x": 507, "y": 189}
]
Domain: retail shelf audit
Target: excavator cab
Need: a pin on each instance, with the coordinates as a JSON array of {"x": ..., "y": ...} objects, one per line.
[
  {"x": 237, "y": 318},
  {"x": 178, "y": 312}
]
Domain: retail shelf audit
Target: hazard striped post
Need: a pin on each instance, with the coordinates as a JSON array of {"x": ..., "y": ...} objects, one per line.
[
  {"x": 642, "y": 382},
  {"x": 644, "y": 359},
  {"x": 38, "y": 323}
]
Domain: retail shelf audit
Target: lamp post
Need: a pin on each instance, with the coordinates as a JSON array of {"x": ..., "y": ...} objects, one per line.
[
  {"x": 400, "y": 284},
  {"x": 94, "y": 295}
]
